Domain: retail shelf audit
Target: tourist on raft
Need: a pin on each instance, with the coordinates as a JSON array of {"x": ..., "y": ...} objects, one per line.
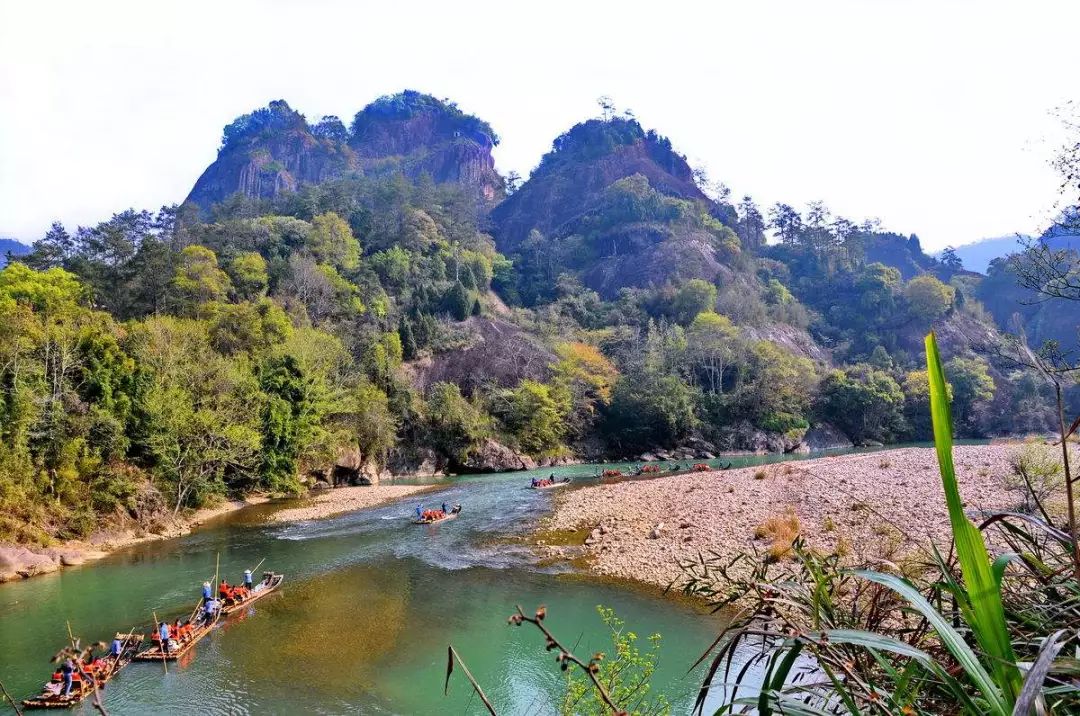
[
  {"x": 163, "y": 636},
  {"x": 67, "y": 672},
  {"x": 210, "y": 610}
]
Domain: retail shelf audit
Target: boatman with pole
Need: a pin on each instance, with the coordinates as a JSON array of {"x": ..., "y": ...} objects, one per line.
[
  {"x": 247, "y": 579},
  {"x": 207, "y": 592},
  {"x": 163, "y": 633}
]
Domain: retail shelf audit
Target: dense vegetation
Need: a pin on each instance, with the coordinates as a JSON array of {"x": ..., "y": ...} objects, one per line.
[{"x": 155, "y": 361}]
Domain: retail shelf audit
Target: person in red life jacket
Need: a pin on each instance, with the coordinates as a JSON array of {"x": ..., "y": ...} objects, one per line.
[{"x": 223, "y": 590}]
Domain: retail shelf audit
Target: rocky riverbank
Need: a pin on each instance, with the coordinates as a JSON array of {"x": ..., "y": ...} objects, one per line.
[
  {"x": 878, "y": 505},
  {"x": 24, "y": 561}
]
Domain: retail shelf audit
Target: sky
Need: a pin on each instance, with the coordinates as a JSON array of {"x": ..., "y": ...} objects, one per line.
[{"x": 935, "y": 117}]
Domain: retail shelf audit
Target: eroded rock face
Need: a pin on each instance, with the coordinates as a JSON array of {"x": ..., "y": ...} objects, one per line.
[
  {"x": 417, "y": 133},
  {"x": 17, "y": 561},
  {"x": 274, "y": 149},
  {"x": 493, "y": 456},
  {"x": 267, "y": 152},
  {"x": 745, "y": 437},
  {"x": 825, "y": 436}
]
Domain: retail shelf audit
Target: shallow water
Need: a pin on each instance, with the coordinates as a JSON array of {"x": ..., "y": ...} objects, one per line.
[{"x": 363, "y": 619}]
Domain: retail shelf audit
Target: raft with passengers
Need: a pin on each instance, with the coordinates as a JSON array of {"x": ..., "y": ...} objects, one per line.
[
  {"x": 80, "y": 674},
  {"x": 548, "y": 483},
  {"x": 434, "y": 516},
  {"x": 172, "y": 641}
]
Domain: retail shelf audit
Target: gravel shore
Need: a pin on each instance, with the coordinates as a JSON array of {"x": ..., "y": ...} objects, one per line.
[
  {"x": 327, "y": 503},
  {"x": 877, "y": 505}
]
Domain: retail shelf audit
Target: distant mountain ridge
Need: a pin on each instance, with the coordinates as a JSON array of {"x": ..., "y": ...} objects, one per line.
[
  {"x": 12, "y": 246},
  {"x": 978, "y": 255}
]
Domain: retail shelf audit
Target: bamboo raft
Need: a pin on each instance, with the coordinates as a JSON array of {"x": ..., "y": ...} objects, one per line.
[
  {"x": 51, "y": 696},
  {"x": 446, "y": 516},
  {"x": 559, "y": 483},
  {"x": 155, "y": 652},
  {"x": 269, "y": 583}
]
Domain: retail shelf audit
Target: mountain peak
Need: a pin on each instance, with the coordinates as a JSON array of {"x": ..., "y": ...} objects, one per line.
[{"x": 274, "y": 149}]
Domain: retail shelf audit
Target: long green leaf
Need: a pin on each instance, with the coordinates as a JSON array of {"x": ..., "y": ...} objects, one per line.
[
  {"x": 871, "y": 640},
  {"x": 984, "y": 595},
  {"x": 951, "y": 638}
]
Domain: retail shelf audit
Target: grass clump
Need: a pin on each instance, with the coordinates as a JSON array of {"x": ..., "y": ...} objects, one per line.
[{"x": 781, "y": 531}]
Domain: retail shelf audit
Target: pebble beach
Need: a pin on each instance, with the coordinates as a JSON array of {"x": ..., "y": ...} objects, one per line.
[{"x": 876, "y": 505}]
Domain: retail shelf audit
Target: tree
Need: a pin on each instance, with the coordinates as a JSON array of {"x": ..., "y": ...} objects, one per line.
[
  {"x": 972, "y": 387},
  {"x": 649, "y": 408},
  {"x": 249, "y": 275},
  {"x": 456, "y": 426},
  {"x": 513, "y": 181},
  {"x": 52, "y": 250},
  {"x": 198, "y": 280},
  {"x": 777, "y": 389},
  {"x": 331, "y": 127},
  {"x": 751, "y": 226},
  {"x": 951, "y": 261},
  {"x": 458, "y": 301},
  {"x": 371, "y": 421},
  {"x": 929, "y": 298},
  {"x": 331, "y": 241},
  {"x": 289, "y": 417},
  {"x": 866, "y": 403},
  {"x": 247, "y": 327},
  {"x": 691, "y": 299},
  {"x": 711, "y": 346},
  {"x": 200, "y": 429},
  {"x": 786, "y": 222},
  {"x": 586, "y": 377},
  {"x": 535, "y": 416}
]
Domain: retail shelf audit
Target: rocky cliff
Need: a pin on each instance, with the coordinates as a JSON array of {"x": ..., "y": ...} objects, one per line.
[
  {"x": 274, "y": 149},
  {"x": 269, "y": 151},
  {"x": 417, "y": 133}
]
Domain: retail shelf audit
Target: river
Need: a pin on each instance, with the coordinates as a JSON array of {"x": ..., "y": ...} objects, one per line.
[{"x": 363, "y": 619}]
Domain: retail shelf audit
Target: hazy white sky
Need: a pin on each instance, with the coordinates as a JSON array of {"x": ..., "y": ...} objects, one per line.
[{"x": 933, "y": 116}]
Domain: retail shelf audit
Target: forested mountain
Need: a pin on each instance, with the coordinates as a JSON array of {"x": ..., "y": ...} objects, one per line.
[
  {"x": 614, "y": 206},
  {"x": 335, "y": 301}
]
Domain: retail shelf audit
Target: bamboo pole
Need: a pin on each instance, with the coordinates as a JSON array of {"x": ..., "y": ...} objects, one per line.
[
  {"x": 161, "y": 643},
  {"x": 13, "y": 702}
]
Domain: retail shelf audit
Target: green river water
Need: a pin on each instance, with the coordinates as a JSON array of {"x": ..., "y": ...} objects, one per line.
[{"x": 363, "y": 619}]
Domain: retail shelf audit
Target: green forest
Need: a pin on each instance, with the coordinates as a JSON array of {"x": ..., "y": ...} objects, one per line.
[{"x": 158, "y": 361}]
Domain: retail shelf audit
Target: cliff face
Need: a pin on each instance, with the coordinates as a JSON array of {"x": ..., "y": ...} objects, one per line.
[
  {"x": 621, "y": 207},
  {"x": 274, "y": 149},
  {"x": 417, "y": 133},
  {"x": 267, "y": 152}
]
